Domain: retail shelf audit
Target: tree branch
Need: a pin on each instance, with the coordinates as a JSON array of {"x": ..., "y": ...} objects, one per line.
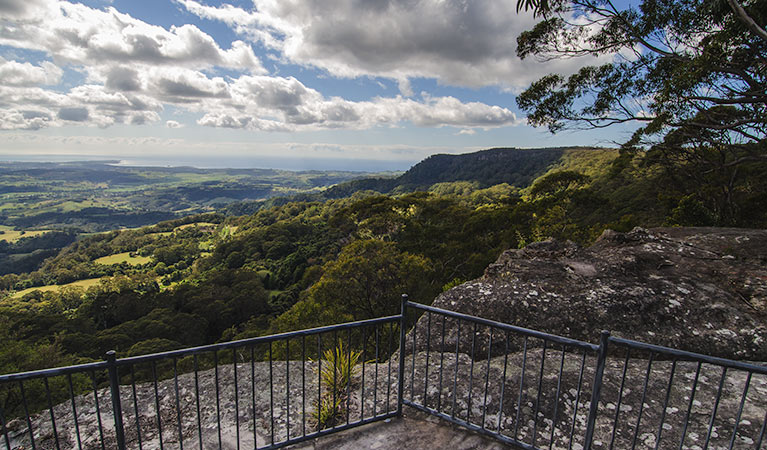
[{"x": 746, "y": 19}]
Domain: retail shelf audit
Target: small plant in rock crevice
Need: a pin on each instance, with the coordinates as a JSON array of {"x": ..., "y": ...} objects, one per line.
[{"x": 339, "y": 366}]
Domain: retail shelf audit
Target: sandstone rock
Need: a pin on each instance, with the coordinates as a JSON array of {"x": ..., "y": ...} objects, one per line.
[{"x": 696, "y": 289}]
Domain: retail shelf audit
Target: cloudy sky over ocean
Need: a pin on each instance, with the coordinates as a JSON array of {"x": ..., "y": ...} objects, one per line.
[{"x": 363, "y": 84}]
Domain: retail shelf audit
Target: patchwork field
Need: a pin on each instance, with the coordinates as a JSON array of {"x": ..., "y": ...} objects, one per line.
[
  {"x": 123, "y": 258},
  {"x": 85, "y": 284},
  {"x": 10, "y": 235}
]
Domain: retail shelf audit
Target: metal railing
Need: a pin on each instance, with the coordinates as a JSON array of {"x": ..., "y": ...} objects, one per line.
[
  {"x": 539, "y": 391},
  {"x": 526, "y": 388},
  {"x": 277, "y": 384}
]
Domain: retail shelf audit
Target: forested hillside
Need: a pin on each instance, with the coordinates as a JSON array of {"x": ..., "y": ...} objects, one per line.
[
  {"x": 514, "y": 166},
  {"x": 214, "y": 277}
]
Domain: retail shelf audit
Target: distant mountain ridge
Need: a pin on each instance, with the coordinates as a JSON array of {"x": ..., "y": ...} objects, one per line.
[{"x": 515, "y": 166}]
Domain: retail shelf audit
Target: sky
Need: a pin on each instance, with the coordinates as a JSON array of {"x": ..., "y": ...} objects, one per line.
[{"x": 298, "y": 84}]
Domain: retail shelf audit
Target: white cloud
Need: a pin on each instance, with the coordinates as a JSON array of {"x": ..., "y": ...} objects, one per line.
[
  {"x": 173, "y": 124},
  {"x": 285, "y": 104},
  {"x": 77, "y": 34},
  {"x": 34, "y": 108},
  {"x": 13, "y": 73},
  {"x": 21, "y": 10},
  {"x": 458, "y": 42}
]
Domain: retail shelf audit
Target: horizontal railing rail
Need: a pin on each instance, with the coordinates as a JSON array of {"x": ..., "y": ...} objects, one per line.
[
  {"x": 524, "y": 387},
  {"x": 690, "y": 356},
  {"x": 250, "y": 341},
  {"x": 504, "y": 326},
  {"x": 56, "y": 371}
]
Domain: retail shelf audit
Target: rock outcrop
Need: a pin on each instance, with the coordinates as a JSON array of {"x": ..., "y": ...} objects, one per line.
[{"x": 697, "y": 289}]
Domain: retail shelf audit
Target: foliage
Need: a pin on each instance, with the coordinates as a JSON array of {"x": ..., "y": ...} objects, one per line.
[
  {"x": 327, "y": 412},
  {"x": 689, "y": 74},
  {"x": 338, "y": 367}
]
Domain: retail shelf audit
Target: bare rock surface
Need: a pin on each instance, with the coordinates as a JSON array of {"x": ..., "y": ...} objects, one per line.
[
  {"x": 697, "y": 289},
  {"x": 414, "y": 431}
]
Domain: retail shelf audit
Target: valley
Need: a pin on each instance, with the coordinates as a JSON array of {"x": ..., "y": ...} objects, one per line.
[{"x": 311, "y": 258}]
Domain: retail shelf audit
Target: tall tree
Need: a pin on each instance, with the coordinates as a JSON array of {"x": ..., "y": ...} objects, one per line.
[{"x": 690, "y": 73}]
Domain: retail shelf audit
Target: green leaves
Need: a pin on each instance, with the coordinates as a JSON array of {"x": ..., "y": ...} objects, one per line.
[{"x": 689, "y": 73}]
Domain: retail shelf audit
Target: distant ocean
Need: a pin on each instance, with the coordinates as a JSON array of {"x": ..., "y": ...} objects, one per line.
[{"x": 224, "y": 162}]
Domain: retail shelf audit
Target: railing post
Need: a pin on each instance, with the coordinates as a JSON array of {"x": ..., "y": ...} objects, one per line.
[
  {"x": 596, "y": 389},
  {"x": 401, "y": 375},
  {"x": 114, "y": 387}
]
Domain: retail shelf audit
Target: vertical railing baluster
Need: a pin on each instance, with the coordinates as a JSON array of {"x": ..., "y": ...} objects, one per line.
[
  {"x": 114, "y": 387},
  {"x": 98, "y": 411},
  {"x": 303, "y": 385},
  {"x": 252, "y": 394},
  {"x": 29, "y": 420},
  {"x": 388, "y": 370},
  {"x": 538, "y": 395},
  {"x": 487, "y": 377},
  {"x": 157, "y": 403},
  {"x": 349, "y": 368},
  {"x": 620, "y": 397},
  {"x": 644, "y": 397},
  {"x": 716, "y": 407},
  {"x": 412, "y": 367},
  {"x": 375, "y": 378},
  {"x": 135, "y": 405},
  {"x": 665, "y": 404},
  {"x": 178, "y": 406},
  {"x": 74, "y": 413},
  {"x": 740, "y": 409},
  {"x": 287, "y": 388},
  {"x": 577, "y": 401},
  {"x": 455, "y": 375},
  {"x": 197, "y": 400},
  {"x": 521, "y": 388},
  {"x": 596, "y": 389},
  {"x": 236, "y": 399},
  {"x": 336, "y": 355},
  {"x": 362, "y": 389},
  {"x": 319, "y": 378},
  {"x": 441, "y": 363},
  {"x": 503, "y": 382},
  {"x": 471, "y": 371},
  {"x": 426, "y": 368},
  {"x": 556, "y": 399},
  {"x": 271, "y": 393},
  {"x": 689, "y": 406},
  {"x": 218, "y": 398},
  {"x": 401, "y": 373},
  {"x": 761, "y": 433}
]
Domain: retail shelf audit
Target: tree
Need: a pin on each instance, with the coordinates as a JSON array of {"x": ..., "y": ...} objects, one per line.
[
  {"x": 367, "y": 279},
  {"x": 690, "y": 73}
]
